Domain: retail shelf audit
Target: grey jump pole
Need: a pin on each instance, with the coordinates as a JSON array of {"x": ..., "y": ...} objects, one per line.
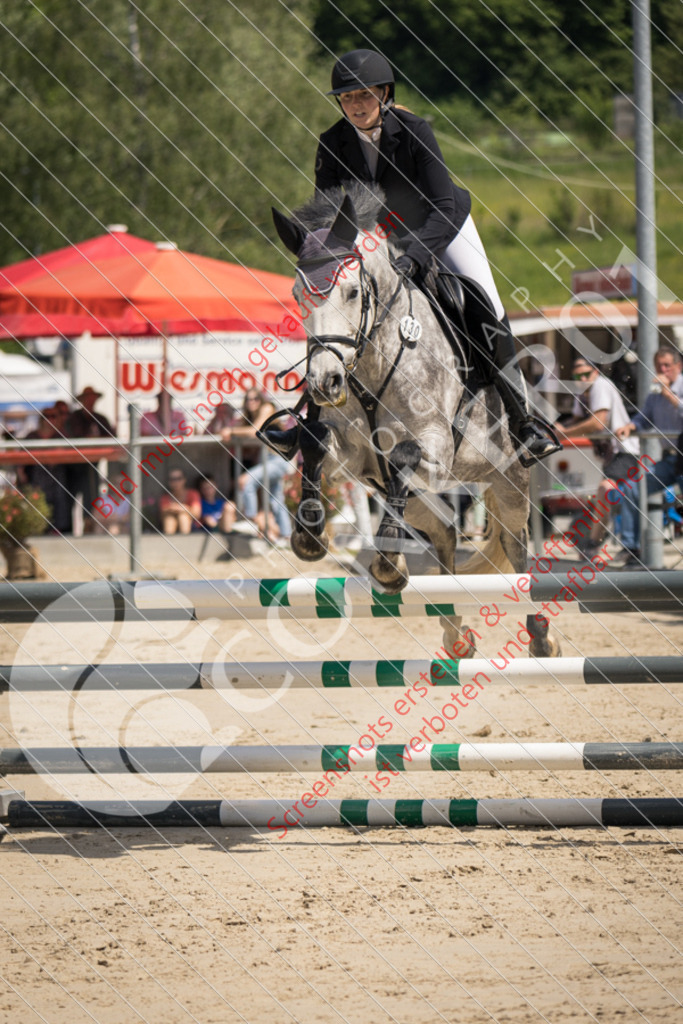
[
  {"x": 334, "y": 675},
  {"x": 343, "y": 757},
  {"x": 340, "y": 597},
  {"x": 271, "y": 814}
]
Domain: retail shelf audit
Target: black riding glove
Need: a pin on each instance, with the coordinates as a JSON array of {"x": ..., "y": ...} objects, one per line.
[{"x": 405, "y": 266}]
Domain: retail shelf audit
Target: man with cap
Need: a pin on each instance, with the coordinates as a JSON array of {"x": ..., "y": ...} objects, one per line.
[{"x": 85, "y": 422}]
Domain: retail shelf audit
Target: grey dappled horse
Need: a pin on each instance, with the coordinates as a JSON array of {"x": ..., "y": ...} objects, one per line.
[{"x": 388, "y": 402}]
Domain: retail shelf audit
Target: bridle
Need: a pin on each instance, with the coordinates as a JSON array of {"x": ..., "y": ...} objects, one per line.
[
  {"x": 369, "y": 299},
  {"x": 365, "y": 332}
]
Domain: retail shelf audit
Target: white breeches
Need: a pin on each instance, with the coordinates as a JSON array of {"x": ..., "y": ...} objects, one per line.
[{"x": 466, "y": 255}]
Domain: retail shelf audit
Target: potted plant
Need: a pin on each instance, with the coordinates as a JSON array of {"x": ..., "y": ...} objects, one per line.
[{"x": 23, "y": 514}]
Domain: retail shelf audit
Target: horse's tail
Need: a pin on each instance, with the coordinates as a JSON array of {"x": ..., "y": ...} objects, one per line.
[{"x": 491, "y": 557}]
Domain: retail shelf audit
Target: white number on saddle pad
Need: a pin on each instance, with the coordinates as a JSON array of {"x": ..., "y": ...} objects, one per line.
[{"x": 411, "y": 329}]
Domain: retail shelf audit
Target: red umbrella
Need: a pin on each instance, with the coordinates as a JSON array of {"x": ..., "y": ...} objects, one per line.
[
  {"x": 146, "y": 289},
  {"x": 117, "y": 242}
]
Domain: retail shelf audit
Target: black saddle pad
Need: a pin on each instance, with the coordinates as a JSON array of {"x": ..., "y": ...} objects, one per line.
[{"x": 465, "y": 336}]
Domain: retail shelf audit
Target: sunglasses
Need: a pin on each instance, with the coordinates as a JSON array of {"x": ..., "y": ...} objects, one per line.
[
  {"x": 584, "y": 375},
  {"x": 176, "y": 478}
]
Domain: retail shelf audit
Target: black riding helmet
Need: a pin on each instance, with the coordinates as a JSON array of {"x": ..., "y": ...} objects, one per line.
[{"x": 361, "y": 69}]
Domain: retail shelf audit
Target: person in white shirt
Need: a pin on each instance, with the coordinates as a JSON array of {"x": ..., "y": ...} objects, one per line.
[
  {"x": 601, "y": 408},
  {"x": 663, "y": 411}
]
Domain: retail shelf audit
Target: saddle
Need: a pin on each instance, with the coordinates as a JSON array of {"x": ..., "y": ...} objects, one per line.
[
  {"x": 465, "y": 311},
  {"x": 467, "y": 319}
]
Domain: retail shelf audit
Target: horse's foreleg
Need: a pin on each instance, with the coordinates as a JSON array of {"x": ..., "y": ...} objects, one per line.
[
  {"x": 309, "y": 539},
  {"x": 389, "y": 564}
]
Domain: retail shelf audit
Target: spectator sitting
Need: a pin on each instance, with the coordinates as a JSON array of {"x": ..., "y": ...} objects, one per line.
[
  {"x": 663, "y": 411},
  {"x": 162, "y": 420},
  {"x": 256, "y": 409},
  {"x": 276, "y": 468},
  {"x": 225, "y": 416},
  {"x": 217, "y": 512},
  {"x": 601, "y": 407},
  {"x": 118, "y": 516},
  {"x": 181, "y": 508}
]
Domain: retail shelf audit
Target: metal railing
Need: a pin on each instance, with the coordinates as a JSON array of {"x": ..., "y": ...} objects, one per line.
[
  {"x": 74, "y": 450},
  {"x": 70, "y": 449}
]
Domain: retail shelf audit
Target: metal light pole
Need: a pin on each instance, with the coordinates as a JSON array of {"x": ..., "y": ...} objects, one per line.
[
  {"x": 646, "y": 264},
  {"x": 135, "y": 498}
]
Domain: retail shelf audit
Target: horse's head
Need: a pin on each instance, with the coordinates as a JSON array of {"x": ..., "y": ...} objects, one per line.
[{"x": 337, "y": 294}]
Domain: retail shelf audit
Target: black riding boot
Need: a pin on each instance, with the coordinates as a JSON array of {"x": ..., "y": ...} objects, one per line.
[
  {"x": 284, "y": 442},
  {"x": 535, "y": 438},
  {"x": 288, "y": 442}
]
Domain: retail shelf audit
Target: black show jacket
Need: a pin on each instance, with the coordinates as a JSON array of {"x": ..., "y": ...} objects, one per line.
[{"x": 412, "y": 173}]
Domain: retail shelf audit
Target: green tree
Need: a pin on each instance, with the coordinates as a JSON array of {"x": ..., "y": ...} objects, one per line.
[
  {"x": 507, "y": 55},
  {"x": 176, "y": 119},
  {"x": 667, "y": 43}
]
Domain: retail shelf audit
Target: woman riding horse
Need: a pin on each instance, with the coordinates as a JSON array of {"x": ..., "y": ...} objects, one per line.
[{"x": 377, "y": 142}]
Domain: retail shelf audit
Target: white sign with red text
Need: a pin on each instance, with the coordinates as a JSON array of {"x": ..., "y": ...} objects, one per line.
[{"x": 196, "y": 364}]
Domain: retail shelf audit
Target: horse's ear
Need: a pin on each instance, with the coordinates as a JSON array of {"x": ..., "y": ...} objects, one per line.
[
  {"x": 290, "y": 233},
  {"x": 345, "y": 226}
]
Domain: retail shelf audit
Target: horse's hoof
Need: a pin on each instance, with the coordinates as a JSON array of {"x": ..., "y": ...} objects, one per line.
[
  {"x": 545, "y": 647},
  {"x": 392, "y": 576},
  {"x": 307, "y": 547},
  {"x": 457, "y": 639}
]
